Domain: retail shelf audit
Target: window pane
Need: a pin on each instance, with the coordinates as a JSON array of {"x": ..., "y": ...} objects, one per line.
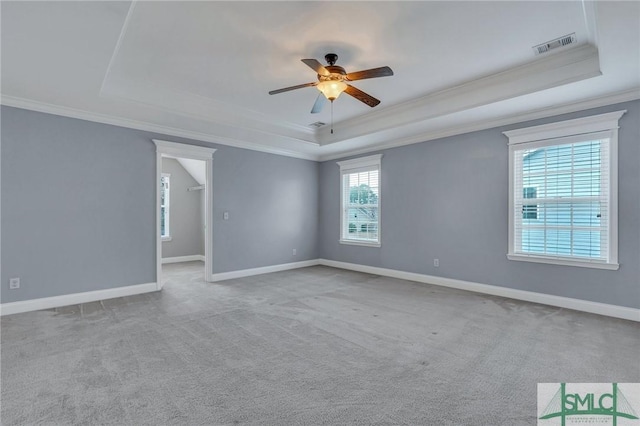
[
  {"x": 361, "y": 195},
  {"x": 586, "y": 244},
  {"x": 164, "y": 205},
  {"x": 162, "y": 221},
  {"x": 529, "y": 211}
]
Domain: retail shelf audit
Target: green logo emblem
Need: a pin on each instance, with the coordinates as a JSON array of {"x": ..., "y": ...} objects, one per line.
[{"x": 588, "y": 400}]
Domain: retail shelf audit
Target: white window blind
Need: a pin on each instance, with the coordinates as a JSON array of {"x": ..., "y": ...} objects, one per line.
[
  {"x": 563, "y": 200},
  {"x": 561, "y": 206},
  {"x": 360, "y": 201}
]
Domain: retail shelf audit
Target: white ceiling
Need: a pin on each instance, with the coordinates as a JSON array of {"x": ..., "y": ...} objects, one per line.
[
  {"x": 196, "y": 168},
  {"x": 203, "y": 69}
]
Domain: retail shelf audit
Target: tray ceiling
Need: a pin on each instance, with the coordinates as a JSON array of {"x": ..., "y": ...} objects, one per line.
[{"x": 203, "y": 69}]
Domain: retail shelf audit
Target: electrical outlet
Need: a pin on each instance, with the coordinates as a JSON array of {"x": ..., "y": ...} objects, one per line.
[
  {"x": 14, "y": 283},
  {"x": 295, "y": 252},
  {"x": 436, "y": 262},
  {"x": 225, "y": 215}
]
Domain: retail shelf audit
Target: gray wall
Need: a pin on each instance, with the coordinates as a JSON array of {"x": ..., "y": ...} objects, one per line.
[
  {"x": 89, "y": 225},
  {"x": 78, "y": 206},
  {"x": 273, "y": 208},
  {"x": 185, "y": 213},
  {"x": 448, "y": 199}
]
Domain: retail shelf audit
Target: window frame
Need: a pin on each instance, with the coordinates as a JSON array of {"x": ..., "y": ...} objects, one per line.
[
  {"x": 167, "y": 208},
  {"x": 356, "y": 165},
  {"x": 553, "y": 134}
]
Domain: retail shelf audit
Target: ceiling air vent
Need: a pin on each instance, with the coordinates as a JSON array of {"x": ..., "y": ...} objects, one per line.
[
  {"x": 317, "y": 124},
  {"x": 554, "y": 44}
]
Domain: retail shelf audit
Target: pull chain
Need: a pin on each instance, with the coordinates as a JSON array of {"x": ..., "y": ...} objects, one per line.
[{"x": 331, "y": 117}]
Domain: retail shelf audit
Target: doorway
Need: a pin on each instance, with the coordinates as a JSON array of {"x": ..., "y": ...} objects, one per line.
[{"x": 166, "y": 149}]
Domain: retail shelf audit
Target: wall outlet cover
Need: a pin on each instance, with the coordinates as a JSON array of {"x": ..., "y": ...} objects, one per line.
[{"x": 14, "y": 283}]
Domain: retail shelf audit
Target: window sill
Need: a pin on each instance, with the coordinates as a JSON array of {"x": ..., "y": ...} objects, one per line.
[
  {"x": 166, "y": 238},
  {"x": 564, "y": 262},
  {"x": 360, "y": 243}
]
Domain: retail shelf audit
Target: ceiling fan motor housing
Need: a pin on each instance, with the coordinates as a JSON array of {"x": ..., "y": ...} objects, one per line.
[{"x": 335, "y": 73}]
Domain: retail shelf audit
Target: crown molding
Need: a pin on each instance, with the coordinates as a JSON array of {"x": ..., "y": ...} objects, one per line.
[
  {"x": 616, "y": 98},
  {"x": 579, "y": 63},
  {"x": 624, "y": 96},
  {"x": 47, "y": 108}
]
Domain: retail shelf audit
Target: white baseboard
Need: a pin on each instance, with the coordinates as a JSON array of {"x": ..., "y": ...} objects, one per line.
[
  {"x": 74, "y": 299},
  {"x": 263, "y": 270},
  {"x": 179, "y": 259},
  {"x": 529, "y": 296}
]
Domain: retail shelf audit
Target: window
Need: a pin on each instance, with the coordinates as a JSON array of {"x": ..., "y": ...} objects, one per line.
[
  {"x": 529, "y": 211},
  {"x": 164, "y": 207},
  {"x": 360, "y": 201},
  {"x": 563, "y": 192}
]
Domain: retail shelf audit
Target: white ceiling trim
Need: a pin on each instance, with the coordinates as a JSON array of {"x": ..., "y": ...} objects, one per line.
[
  {"x": 17, "y": 102},
  {"x": 625, "y": 96},
  {"x": 568, "y": 66}
]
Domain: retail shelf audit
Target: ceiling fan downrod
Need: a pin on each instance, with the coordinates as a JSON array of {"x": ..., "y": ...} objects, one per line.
[{"x": 331, "y": 58}]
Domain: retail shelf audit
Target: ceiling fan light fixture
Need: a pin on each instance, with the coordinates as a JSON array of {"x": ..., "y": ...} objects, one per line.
[{"x": 331, "y": 89}]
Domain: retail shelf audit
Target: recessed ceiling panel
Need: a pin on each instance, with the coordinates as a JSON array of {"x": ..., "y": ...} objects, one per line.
[{"x": 230, "y": 54}]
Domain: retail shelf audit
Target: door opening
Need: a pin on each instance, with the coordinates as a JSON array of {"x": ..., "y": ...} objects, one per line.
[{"x": 183, "y": 205}]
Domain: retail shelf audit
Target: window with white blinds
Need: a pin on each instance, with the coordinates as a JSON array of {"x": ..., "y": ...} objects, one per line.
[
  {"x": 360, "y": 201},
  {"x": 563, "y": 192},
  {"x": 165, "y": 206}
]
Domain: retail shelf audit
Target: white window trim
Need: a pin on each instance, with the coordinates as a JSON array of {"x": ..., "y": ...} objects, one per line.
[
  {"x": 168, "y": 212},
  {"x": 546, "y": 132},
  {"x": 353, "y": 166}
]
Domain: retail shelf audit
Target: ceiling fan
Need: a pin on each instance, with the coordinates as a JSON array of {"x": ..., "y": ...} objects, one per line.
[{"x": 332, "y": 81}]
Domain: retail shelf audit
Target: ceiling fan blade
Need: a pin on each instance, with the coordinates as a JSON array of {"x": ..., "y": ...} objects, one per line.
[
  {"x": 286, "y": 89},
  {"x": 319, "y": 104},
  {"x": 316, "y": 66},
  {"x": 372, "y": 73},
  {"x": 361, "y": 96}
]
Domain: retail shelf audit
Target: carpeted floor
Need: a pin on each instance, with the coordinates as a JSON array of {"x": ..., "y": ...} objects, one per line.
[{"x": 304, "y": 347}]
